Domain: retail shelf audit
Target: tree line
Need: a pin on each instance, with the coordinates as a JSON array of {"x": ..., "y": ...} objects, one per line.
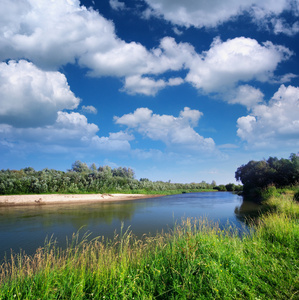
[
  {"x": 273, "y": 172},
  {"x": 82, "y": 178}
]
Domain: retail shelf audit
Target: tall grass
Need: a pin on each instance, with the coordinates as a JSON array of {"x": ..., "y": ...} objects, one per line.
[{"x": 196, "y": 260}]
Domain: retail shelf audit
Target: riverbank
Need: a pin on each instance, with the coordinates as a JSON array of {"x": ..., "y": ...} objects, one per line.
[
  {"x": 195, "y": 259},
  {"x": 40, "y": 199}
]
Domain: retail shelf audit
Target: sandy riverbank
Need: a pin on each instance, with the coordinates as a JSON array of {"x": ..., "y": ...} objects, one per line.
[{"x": 16, "y": 200}]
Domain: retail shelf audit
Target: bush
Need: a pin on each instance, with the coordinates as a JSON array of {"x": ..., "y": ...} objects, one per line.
[
  {"x": 269, "y": 192},
  {"x": 220, "y": 188}
]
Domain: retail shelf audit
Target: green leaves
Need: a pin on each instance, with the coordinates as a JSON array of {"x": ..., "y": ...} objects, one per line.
[{"x": 277, "y": 172}]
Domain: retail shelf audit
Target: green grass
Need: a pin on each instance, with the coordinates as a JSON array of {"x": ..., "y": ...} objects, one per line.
[{"x": 197, "y": 260}]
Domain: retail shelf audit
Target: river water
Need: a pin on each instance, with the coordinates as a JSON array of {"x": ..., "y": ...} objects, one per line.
[{"x": 26, "y": 228}]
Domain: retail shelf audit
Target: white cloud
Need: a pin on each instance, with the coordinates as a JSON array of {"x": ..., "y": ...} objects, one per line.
[
  {"x": 143, "y": 85},
  {"x": 148, "y": 86},
  {"x": 133, "y": 59},
  {"x": 276, "y": 123},
  {"x": 117, "y": 5},
  {"x": 32, "y": 97},
  {"x": 191, "y": 116},
  {"x": 69, "y": 130},
  {"x": 284, "y": 78},
  {"x": 280, "y": 26},
  {"x": 219, "y": 69},
  {"x": 175, "y": 132},
  {"x": 246, "y": 95},
  {"x": 239, "y": 59},
  {"x": 121, "y": 136},
  {"x": 38, "y": 28},
  {"x": 177, "y": 31},
  {"x": 107, "y": 145},
  {"x": 175, "y": 81},
  {"x": 215, "y": 12},
  {"x": 89, "y": 109},
  {"x": 35, "y": 29},
  {"x": 141, "y": 116}
]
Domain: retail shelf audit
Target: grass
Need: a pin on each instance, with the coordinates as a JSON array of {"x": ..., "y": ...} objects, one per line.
[{"x": 196, "y": 260}]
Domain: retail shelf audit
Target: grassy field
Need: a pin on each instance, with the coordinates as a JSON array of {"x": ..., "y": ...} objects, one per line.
[{"x": 197, "y": 260}]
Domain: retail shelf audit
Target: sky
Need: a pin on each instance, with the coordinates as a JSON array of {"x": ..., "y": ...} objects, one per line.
[{"x": 177, "y": 90}]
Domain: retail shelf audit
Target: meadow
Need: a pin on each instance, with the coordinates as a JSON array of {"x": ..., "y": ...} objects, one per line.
[{"x": 195, "y": 260}]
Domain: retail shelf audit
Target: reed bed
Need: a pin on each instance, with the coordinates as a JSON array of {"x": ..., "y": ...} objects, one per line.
[{"x": 195, "y": 260}]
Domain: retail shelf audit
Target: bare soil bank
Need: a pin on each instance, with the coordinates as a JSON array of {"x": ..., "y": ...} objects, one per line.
[{"x": 17, "y": 200}]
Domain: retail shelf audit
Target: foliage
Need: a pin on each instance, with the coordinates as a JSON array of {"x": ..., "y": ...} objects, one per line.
[
  {"x": 220, "y": 188},
  {"x": 196, "y": 260},
  {"x": 275, "y": 172},
  {"x": 230, "y": 187},
  {"x": 83, "y": 179}
]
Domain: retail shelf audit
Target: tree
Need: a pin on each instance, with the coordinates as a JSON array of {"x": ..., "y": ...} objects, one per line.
[
  {"x": 276, "y": 172},
  {"x": 220, "y": 188},
  {"x": 213, "y": 184},
  {"x": 230, "y": 187},
  {"x": 93, "y": 168},
  {"x": 79, "y": 167},
  {"x": 29, "y": 170}
]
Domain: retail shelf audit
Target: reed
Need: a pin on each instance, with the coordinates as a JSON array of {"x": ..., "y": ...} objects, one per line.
[{"x": 195, "y": 260}]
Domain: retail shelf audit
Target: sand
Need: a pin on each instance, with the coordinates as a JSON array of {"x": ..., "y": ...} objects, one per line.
[{"x": 17, "y": 200}]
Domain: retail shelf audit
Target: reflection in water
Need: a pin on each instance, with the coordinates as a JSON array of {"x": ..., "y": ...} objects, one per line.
[
  {"x": 247, "y": 212},
  {"x": 27, "y": 227},
  {"x": 78, "y": 215}
]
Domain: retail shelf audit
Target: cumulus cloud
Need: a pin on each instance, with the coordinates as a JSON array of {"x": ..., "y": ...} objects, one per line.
[
  {"x": 274, "y": 123},
  {"x": 218, "y": 69},
  {"x": 121, "y": 136},
  {"x": 35, "y": 29},
  {"x": 107, "y": 145},
  {"x": 117, "y": 5},
  {"x": 280, "y": 26},
  {"x": 143, "y": 85},
  {"x": 32, "y": 97},
  {"x": 148, "y": 86},
  {"x": 215, "y": 12},
  {"x": 175, "y": 132},
  {"x": 89, "y": 109},
  {"x": 69, "y": 130},
  {"x": 240, "y": 59},
  {"x": 133, "y": 59},
  {"x": 246, "y": 95}
]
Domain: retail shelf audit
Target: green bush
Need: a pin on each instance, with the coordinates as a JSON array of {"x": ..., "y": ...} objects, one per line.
[{"x": 269, "y": 192}]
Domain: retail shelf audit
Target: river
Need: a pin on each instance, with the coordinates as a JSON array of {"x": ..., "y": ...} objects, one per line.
[{"x": 26, "y": 228}]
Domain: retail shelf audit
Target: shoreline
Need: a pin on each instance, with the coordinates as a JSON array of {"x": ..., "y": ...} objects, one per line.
[{"x": 48, "y": 199}]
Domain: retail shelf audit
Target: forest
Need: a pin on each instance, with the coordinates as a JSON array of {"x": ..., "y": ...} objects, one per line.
[{"x": 82, "y": 178}]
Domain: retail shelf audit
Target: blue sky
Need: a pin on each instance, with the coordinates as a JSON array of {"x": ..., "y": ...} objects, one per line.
[{"x": 177, "y": 90}]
